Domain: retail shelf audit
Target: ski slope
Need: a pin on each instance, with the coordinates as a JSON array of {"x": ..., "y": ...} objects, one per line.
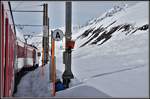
[{"x": 117, "y": 68}]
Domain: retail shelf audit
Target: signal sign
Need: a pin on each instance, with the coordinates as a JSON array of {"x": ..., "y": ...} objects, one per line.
[{"x": 57, "y": 35}]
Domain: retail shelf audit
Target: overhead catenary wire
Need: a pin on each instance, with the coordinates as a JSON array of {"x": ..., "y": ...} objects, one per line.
[
  {"x": 26, "y": 10},
  {"x": 29, "y": 5},
  {"x": 27, "y": 25},
  {"x": 31, "y": 25},
  {"x": 16, "y": 9},
  {"x": 21, "y": 26}
]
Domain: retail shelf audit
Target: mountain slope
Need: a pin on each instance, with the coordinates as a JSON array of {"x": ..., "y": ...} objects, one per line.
[
  {"x": 125, "y": 21},
  {"x": 118, "y": 66}
]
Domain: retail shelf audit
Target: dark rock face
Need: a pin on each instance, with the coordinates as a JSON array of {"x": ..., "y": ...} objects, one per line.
[
  {"x": 144, "y": 27},
  {"x": 101, "y": 33}
]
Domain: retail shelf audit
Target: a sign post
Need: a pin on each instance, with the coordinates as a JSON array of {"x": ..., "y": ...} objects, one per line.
[{"x": 57, "y": 35}]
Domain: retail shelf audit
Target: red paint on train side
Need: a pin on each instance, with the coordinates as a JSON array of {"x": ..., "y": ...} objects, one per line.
[
  {"x": 24, "y": 52},
  {"x": 2, "y": 48}
]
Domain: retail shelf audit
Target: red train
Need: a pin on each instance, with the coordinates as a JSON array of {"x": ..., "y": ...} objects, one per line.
[{"x": 14, "y": 53}]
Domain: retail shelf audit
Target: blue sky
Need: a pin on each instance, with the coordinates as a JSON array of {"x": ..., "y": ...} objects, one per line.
[{"x": 82, "y": 11}]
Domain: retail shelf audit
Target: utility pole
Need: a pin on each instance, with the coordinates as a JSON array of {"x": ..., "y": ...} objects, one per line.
[
  {"x": 67, "y": 75},
  {"x": 26, "y": 37},
  {"x": 45, "y": 50}
]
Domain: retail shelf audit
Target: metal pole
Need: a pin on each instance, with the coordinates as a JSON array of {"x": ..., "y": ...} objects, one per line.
[
  {"x": 47, "y": 34},
  {"x": 67, "y": 75},
  {"x": 43, "y": 55}
]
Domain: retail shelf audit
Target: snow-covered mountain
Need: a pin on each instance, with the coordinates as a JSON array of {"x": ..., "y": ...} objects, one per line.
[
  {"x": 107, "y": 14},
  {"x": 117, "y": 21}
]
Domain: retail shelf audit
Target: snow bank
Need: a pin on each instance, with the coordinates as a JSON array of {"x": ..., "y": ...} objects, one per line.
[
  {"x": 35, "y": 85},
  {"x": 82, "y": 91}
]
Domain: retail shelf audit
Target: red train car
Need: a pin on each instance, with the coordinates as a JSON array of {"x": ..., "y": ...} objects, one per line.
[
  {"x": 14, "y": 54},
  {"x": 27, "y": 55}
]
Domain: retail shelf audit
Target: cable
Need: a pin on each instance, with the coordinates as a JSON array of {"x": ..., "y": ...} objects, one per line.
[
  {"x": 28, "y": 25},
  {"x": 25, "y": 10},
  {"x": 32, "y": 5}
]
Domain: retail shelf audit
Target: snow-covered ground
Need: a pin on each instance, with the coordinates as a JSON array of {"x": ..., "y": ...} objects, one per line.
[
  {"x": 34, "y": 84},
  {"x": 117, "y": 68}
]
